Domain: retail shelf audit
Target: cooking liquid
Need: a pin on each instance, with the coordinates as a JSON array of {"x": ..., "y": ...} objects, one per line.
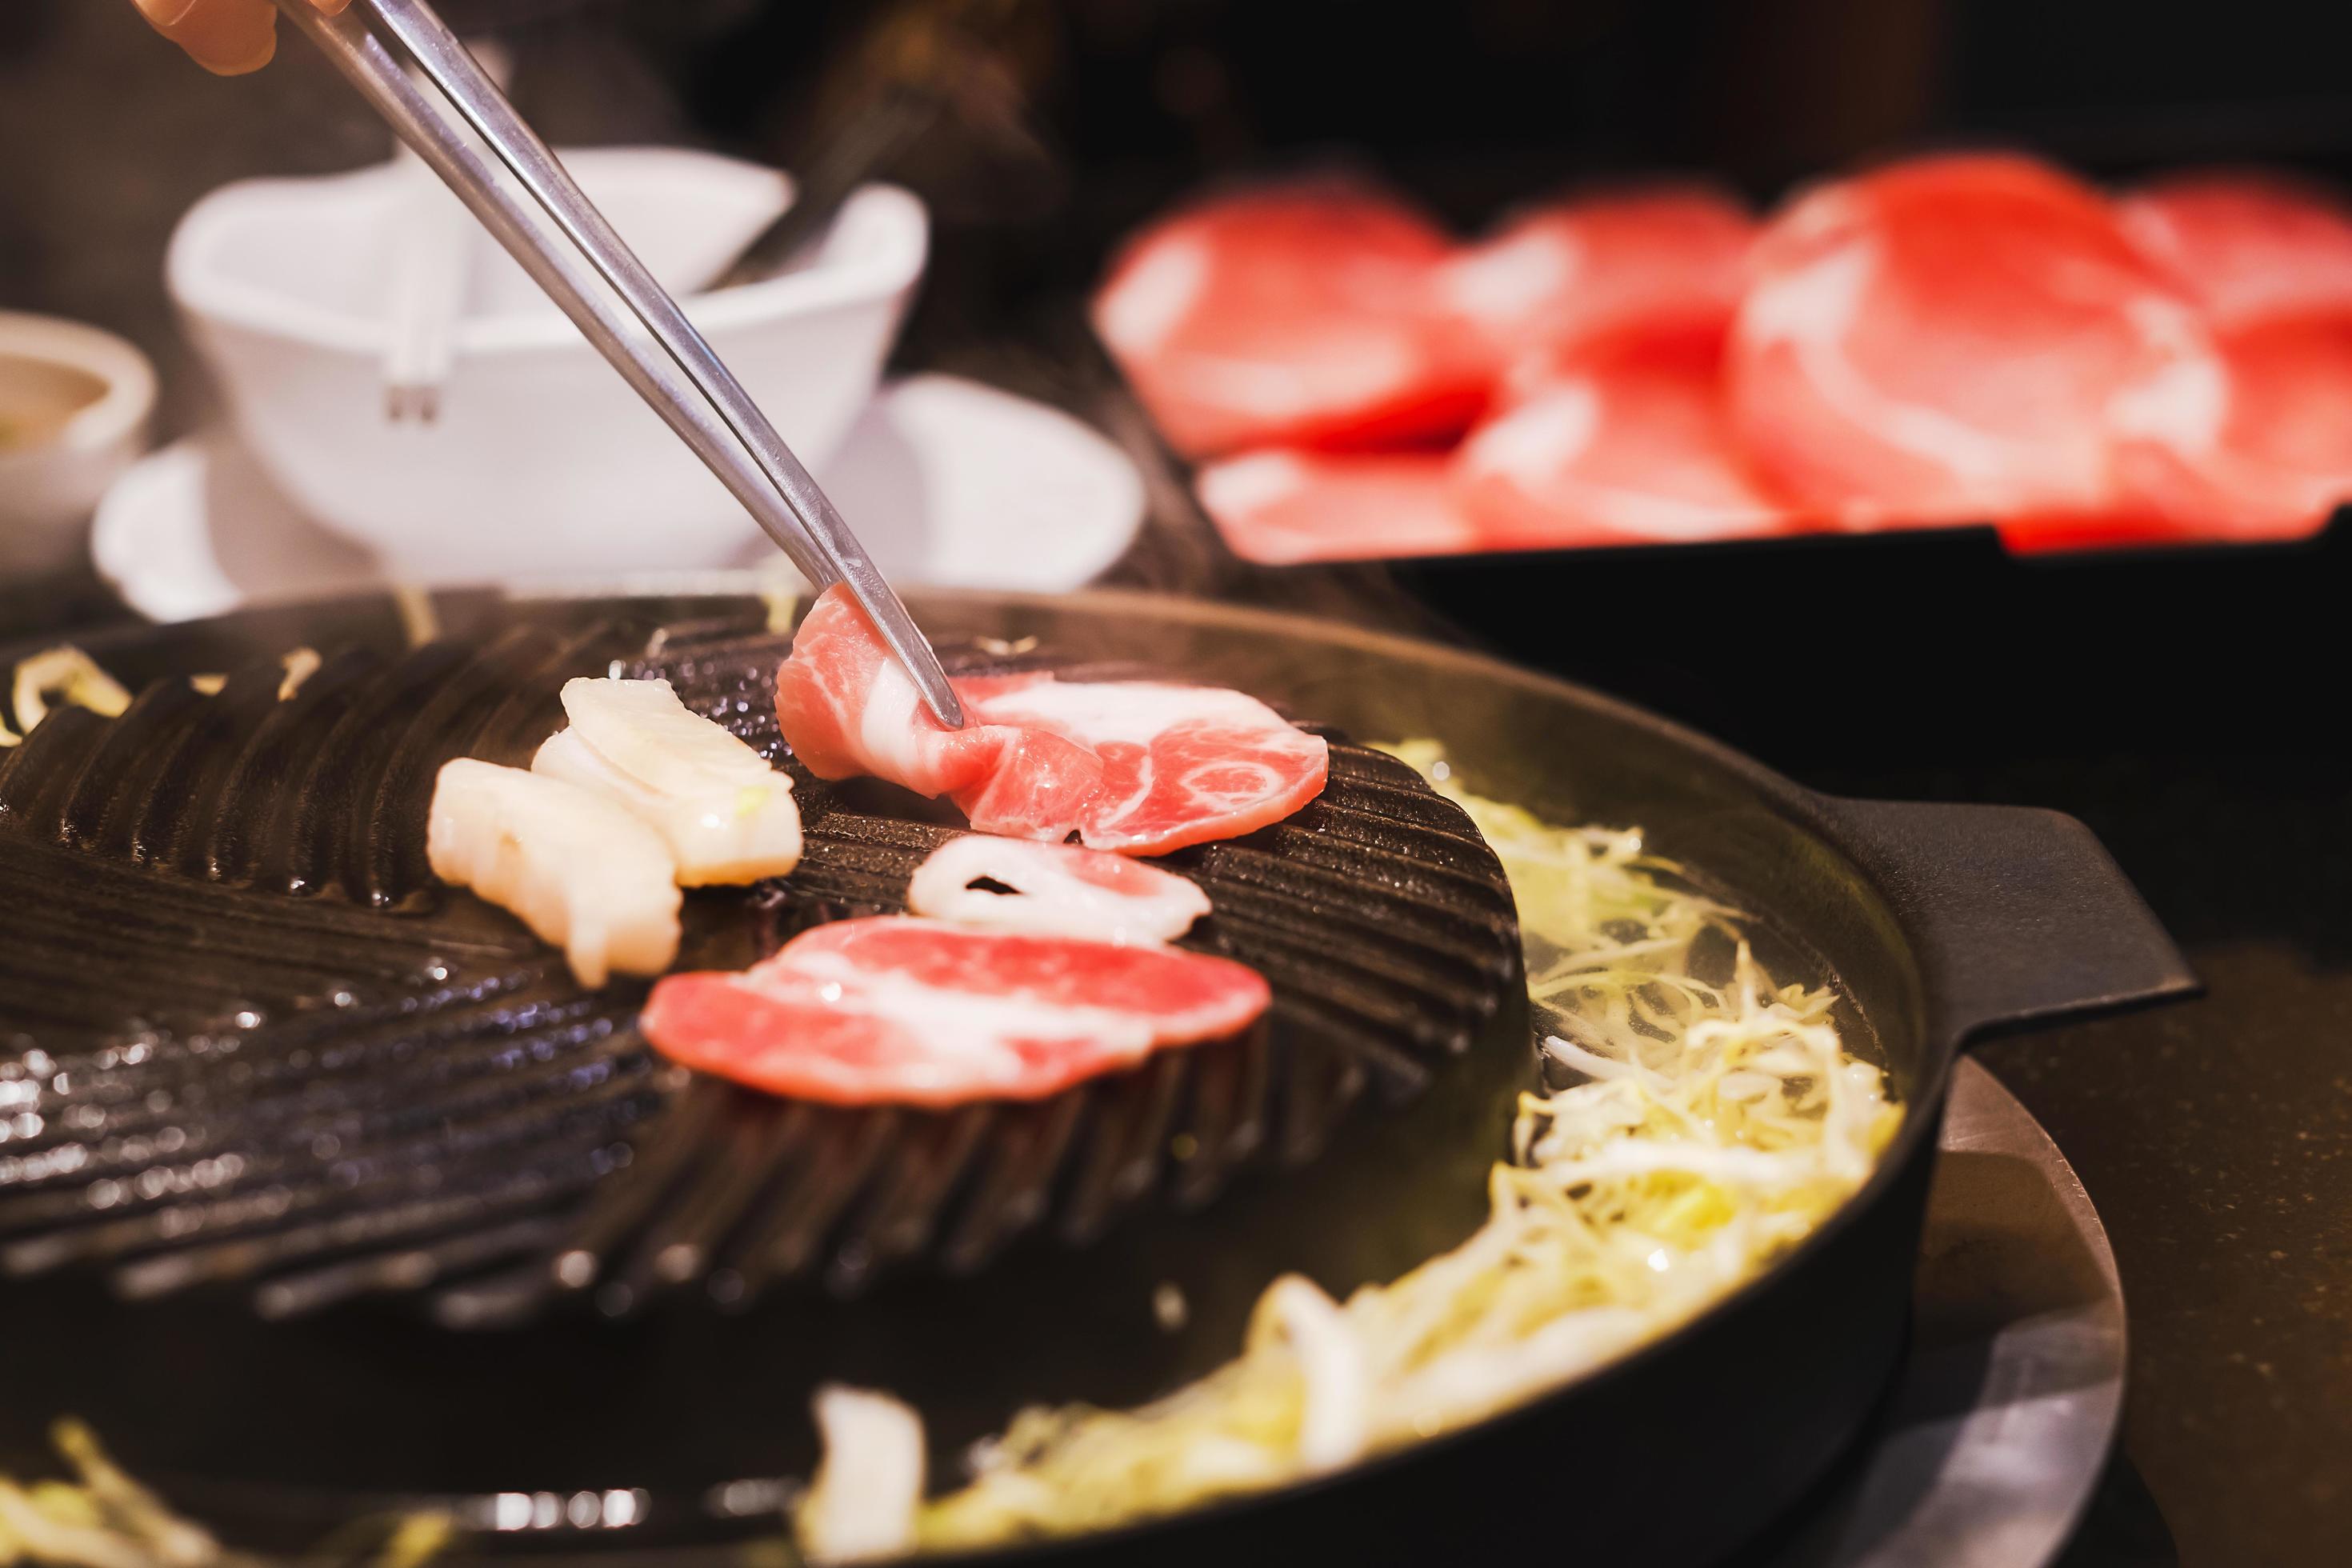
[{"x": 38, "y": 398}]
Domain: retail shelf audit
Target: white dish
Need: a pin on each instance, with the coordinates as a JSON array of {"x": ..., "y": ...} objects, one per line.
[
  {"x": 75, "y": 403},
  {"x": 949, "y": 483},
  {"x": 543, "y": 461}
]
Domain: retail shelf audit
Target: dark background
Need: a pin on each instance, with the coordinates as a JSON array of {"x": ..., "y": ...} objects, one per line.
[
  {"x": 2189, "y": 707},
  {"x": 1075, "y": 119}
]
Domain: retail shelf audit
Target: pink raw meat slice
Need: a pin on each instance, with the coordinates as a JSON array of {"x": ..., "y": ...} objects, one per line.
[
  {"x": 850, "y": 710},
  {"x": 1670, "y": 259},
  {"x": 1618, "y": 444},
  {"x": 1283, "y": 506},
  {"x": 1961, "y": 337},
  {"x": 1182, "y": 765},
  {"x": 1303, "y": 313},
  {"x": 1139, "y": 767},
  {"x": 901, "y": 1011},
  {"x": 2250, "y": 248}
]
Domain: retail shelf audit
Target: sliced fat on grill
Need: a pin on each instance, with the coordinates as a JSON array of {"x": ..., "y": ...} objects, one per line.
[
  {"x": 1139, "y": 767},
  {"x": 1622, "y": 442},
  {"x": 1305, "y": 313},
  {"x": 899, "y": 1010},
  {"x": 1016, "y": 884},
  {"x": 1962, "y": 338}
]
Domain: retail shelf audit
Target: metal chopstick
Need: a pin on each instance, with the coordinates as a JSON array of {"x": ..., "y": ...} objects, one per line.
[
  {"x": 363, "y": 59},
  {"x": 686, "y": 384}
]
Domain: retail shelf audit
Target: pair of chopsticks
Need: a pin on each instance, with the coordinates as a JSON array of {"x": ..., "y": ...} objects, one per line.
[{"x": 676, "y": 371}]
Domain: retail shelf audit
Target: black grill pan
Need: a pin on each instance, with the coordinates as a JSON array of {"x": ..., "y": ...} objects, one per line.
[
  {"x": 262, "y": 1046},
  {"x": 1937, "y": 923}
]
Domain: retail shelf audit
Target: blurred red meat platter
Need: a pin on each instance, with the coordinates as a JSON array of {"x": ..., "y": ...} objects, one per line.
[{"x": 1939, "y": 341}]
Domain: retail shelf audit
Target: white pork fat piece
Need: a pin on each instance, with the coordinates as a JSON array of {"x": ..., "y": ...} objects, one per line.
[
  {"x": 727, "y": 815},
  {"x": 580, "y": 871},
  {"x": 1056, "y": 890}
]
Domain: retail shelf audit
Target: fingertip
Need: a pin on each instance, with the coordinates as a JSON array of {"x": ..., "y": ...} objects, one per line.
[
  {"x": 260, "y": 56},
  {"x": 228, "y": 37}
]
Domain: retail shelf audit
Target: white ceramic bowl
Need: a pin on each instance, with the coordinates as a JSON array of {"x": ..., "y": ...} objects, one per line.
[
  {"x": 543, "y": 460},
  {"x": 951, "y": 485},
  {"x": 74, "y": 406}
]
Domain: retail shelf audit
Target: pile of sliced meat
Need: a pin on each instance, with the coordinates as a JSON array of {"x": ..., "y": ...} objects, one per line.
[{"x": 1956, "y": 339}]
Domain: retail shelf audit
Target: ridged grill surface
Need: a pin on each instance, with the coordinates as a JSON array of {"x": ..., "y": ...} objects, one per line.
[{"x": 246, "y": 1040}]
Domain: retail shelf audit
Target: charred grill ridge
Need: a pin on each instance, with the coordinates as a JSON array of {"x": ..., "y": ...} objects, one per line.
[{"x": 247, "y": 1041}]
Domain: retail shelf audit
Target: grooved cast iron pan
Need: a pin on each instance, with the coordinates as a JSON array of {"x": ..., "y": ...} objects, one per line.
[{"x": 1939, "y": 923}]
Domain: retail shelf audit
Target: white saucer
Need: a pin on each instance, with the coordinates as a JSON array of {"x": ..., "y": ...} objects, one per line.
[{"x": 949, "y": 484}]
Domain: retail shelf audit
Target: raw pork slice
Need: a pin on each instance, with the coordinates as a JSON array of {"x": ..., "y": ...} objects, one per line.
[
  {"x": 1302, "y": 313},
  {"x": 2251, "y": 249},
  {"x": 1961, "y": 337},
  {"x": 1053, "y": 888},
  {"x": 1284, "y": 506},
  {"x": 1671, "y": 260},
  {"x": 902, "y": 1010},
  {"x": 1182, "y": 765},
  {"x": 848, "y": 711},
  {"x": 1139, "y": 767},
  {"x": 2283, "y": 461},
  {"x": 726, "y": 814},
  {"x": 1626, "y": 444}
]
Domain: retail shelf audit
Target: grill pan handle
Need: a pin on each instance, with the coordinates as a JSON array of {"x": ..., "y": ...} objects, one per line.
[{"x": 2017, "y": 915}]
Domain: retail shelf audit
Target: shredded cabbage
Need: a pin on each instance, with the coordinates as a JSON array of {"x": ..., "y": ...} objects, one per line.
[
  {"x": 300, "y": 665},
  {"x": 420, "y": 620},
  {"x": 104, "y": 1519},
  {"x": 65, "y": 674},
  {"x": 1716, "y": 1120}
]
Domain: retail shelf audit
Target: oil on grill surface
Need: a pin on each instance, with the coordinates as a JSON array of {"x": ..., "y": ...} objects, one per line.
[{"x": 246, "y": 1040}]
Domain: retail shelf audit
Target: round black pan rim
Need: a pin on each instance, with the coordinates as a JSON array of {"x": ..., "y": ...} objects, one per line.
[
  {"x": 1922, "y": 1114},
  {"x": 2141, "y": 966}
]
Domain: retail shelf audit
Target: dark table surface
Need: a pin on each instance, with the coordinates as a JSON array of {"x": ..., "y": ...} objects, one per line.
[
  {"x": 2177, "y": 704},
  {"x": 2184, "y": 707}
]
